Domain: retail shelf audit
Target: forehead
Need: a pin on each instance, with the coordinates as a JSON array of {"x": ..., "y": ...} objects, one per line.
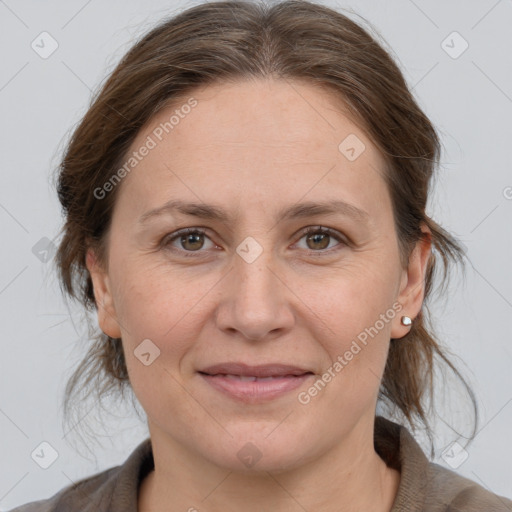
[
  {"x": 273, "y": 113},
  {"x": 264, "y": 138}
]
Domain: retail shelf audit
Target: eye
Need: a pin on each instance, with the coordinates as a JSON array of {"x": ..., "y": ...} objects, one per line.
[
  {"x": 191, "y": 240},
  {"x": 318, "y": 238}
]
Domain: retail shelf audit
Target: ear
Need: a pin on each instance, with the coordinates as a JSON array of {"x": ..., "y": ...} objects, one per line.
[
  {"x": 412, "y": 287},
  {"x": 107, "y": 317}
]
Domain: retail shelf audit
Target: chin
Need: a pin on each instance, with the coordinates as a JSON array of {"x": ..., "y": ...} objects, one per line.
[{"x": 251, "y": 452}]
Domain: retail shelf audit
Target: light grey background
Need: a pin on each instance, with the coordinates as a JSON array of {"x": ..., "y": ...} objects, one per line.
[{"x": 469, "y": 99}]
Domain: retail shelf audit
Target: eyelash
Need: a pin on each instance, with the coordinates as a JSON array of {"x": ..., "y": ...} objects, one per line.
[{"x": 168, "y": 239}]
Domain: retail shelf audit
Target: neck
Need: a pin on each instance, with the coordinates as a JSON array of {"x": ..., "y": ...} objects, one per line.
[{"x": 184, "y": 481}]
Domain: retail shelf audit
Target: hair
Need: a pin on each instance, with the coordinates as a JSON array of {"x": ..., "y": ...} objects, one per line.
[{"x": 229, "y": 41}]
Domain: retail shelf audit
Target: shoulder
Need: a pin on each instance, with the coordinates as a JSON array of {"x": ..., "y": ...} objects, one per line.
[
  {"x": 452, "y": 492},
  {"x": 426, "y": 486},
  {"x": 77, "y": 496},
  {"x": 112, "y": 490}
]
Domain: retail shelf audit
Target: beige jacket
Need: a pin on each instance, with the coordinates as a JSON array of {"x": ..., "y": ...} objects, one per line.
[{"x": 424, "y": 485}]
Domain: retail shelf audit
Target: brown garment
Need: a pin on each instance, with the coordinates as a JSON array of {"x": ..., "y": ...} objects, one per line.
[{"x": 424, "y": 485}]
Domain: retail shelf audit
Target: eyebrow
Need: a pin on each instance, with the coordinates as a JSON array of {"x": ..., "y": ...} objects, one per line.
[{"x": 301, "y": 210}]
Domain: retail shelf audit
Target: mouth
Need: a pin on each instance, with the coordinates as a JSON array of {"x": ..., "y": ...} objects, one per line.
[{"x": 253, "y": 384}]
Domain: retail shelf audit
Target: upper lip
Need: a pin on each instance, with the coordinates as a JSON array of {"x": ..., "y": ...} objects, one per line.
[{"x": 264, "y": 370}]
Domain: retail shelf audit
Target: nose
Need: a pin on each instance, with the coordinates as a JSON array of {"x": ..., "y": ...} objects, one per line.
[{"x": 255, "y": 301}]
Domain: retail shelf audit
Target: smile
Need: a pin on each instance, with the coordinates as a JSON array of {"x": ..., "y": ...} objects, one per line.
[{"x": 252, "y": 389}]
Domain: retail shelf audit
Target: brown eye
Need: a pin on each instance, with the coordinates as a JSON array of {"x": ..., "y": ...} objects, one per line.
[
  {"x": 190, "y": 240},
  {"x": 318, "y": 238}
]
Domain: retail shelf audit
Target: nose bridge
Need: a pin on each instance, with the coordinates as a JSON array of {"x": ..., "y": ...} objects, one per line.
[
  {"x": 255, "y": 281},
  {"x": 256, "y": 304}
]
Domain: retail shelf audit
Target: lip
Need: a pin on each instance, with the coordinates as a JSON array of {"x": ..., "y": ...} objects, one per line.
[
  {"x": 262, "y": 370},
  {"x": 234, "y": 380}
]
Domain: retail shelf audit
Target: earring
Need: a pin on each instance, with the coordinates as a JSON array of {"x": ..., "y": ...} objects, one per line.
[{"x": 406, "y": 320}]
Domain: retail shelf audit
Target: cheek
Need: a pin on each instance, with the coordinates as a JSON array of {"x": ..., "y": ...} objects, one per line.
[
  {"x": 352, "y": 297},
  {"x": 162, "y": 305},
  {"x": 159, "y": 325},
  {"x": 356, "y": 309}
]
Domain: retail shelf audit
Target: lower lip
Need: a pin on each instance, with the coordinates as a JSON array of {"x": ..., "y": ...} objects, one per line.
[{"x": 255, "y": 391}]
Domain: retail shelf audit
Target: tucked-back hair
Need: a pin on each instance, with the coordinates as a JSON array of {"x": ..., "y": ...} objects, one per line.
[{"x": 222, "y": 42}]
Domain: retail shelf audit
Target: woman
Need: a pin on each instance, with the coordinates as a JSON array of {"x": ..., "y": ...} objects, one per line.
[{"x": 245, "y": 209}]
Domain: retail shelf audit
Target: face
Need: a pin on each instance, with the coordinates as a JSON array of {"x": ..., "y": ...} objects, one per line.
[{"x": 313, "y": 310}]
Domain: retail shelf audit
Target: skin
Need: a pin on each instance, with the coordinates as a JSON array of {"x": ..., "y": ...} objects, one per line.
[{"x": 252, "y": 148}]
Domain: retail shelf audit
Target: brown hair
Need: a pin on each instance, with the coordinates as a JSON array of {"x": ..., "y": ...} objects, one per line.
[{"x": 229, "y": 41}]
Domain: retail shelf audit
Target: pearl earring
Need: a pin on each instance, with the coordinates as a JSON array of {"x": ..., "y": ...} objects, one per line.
[{"x": 406, "y": 320}]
